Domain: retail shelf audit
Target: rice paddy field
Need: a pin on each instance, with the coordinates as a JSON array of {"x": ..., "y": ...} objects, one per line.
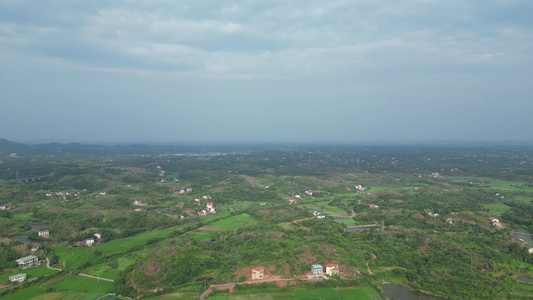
[
  {"x": 323, "y": 293},
  {"x": 230, "y": 223}
]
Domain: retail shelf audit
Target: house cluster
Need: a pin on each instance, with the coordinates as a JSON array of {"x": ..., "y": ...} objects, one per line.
[
  {"x": 360, "y": 187},
  {"x": 373, "y": 206},
  {"x": 319, "y": 270},
  {"x": 186, "y": 190},
  {"x": 28, "y": 261},
  {"x": 63, "y": 195},
  {"x": 496, "y": 223},
  {"x": 209, "y": 209},
  {"x": 43, "y": 233},
  {"x": 318, "y": 214}
]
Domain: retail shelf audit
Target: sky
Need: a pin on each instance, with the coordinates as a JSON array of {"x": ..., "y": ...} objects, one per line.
[{"x": 266, "y": 71}]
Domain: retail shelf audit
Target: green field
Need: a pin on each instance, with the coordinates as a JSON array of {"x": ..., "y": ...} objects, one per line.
[
  {"x": 497, "y": 209},
  {"x": 509, "y": 185},
  {"x": 30, "y": 273},
  {"x": 85, "y": 285},
  {"x": 328, "y": 210},
  {"x": 27, "y": 293},
  {"x": 232, "y": 222}
]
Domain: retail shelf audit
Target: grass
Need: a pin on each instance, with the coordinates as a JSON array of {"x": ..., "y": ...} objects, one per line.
[
  {"x": 200, "y": 236},
  {"x": 85, "y": 285},
  {"x": 524, "y": 199},
  {"x": 30, "y": 273},
  {"x": 497, "y": 209},
  {"x": 347, "y": 222},
  {"x": 24, "y": 217}
]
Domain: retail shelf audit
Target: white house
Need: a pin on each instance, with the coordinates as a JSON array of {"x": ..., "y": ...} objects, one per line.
[
  {"x": 529, "y": 249},
  {"x": 98, "y": 235},
  {"x": 332, "y": 269},
  {"x": 43, "y": 233},
  {"x": 18, "y": 277},
  {"x": 89, "y": 242},
  {"x": 27, "y": 260},
  {"x": 317, "y": 270},
  {"x": 138, "y": 202}
]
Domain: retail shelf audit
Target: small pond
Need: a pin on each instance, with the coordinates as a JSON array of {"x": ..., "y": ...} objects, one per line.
[
  {"x": 525, "y": 279},
  {"x": 37, "y": 227},
  {"x": 398, "y": 292},
  {"x": 526, "y": 237}
]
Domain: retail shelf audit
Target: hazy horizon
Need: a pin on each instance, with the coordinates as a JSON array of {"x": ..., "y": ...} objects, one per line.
[{"x": 299, "y": 71}]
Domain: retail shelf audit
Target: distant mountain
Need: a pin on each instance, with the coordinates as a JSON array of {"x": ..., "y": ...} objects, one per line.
[{"x": 7, "y": 147}]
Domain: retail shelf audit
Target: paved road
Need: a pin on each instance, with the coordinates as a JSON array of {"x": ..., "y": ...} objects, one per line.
[
  {"x": 95, "y": 277},
  {"x": 48, "y": 265}
]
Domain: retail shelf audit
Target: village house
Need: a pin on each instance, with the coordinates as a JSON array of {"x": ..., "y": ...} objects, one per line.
[
  {"x": 17, "y": 278},
  {"x": 493, "y": 220},
  {"x": 529, "y": 249},
  {"x": 89, "y": 242},
  {"x": 320, "y": 216},
  {"x": 202, "y": 212},
  {"x": 332, "y": 269},
  {"x": 27, "y": 260},
  {"x": 43, "y": 233},
  {"x": 188, "y": 190},
  {"x": 34, "y": 248},
  {"x": 138, "y": 202},
  {"x": 5, "y": 206},
  {"x": 373, "y": 206},
  {"x": 98, "y": 235},
  {"x": 309, "y": 192},
  {"x": 258, "y": 273},
  {"x": 211, "y": 208},
  {"x": 138, "y": 209},
  {"x": 317, "y": 270},
  {"x": 206, "y": 197}
]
